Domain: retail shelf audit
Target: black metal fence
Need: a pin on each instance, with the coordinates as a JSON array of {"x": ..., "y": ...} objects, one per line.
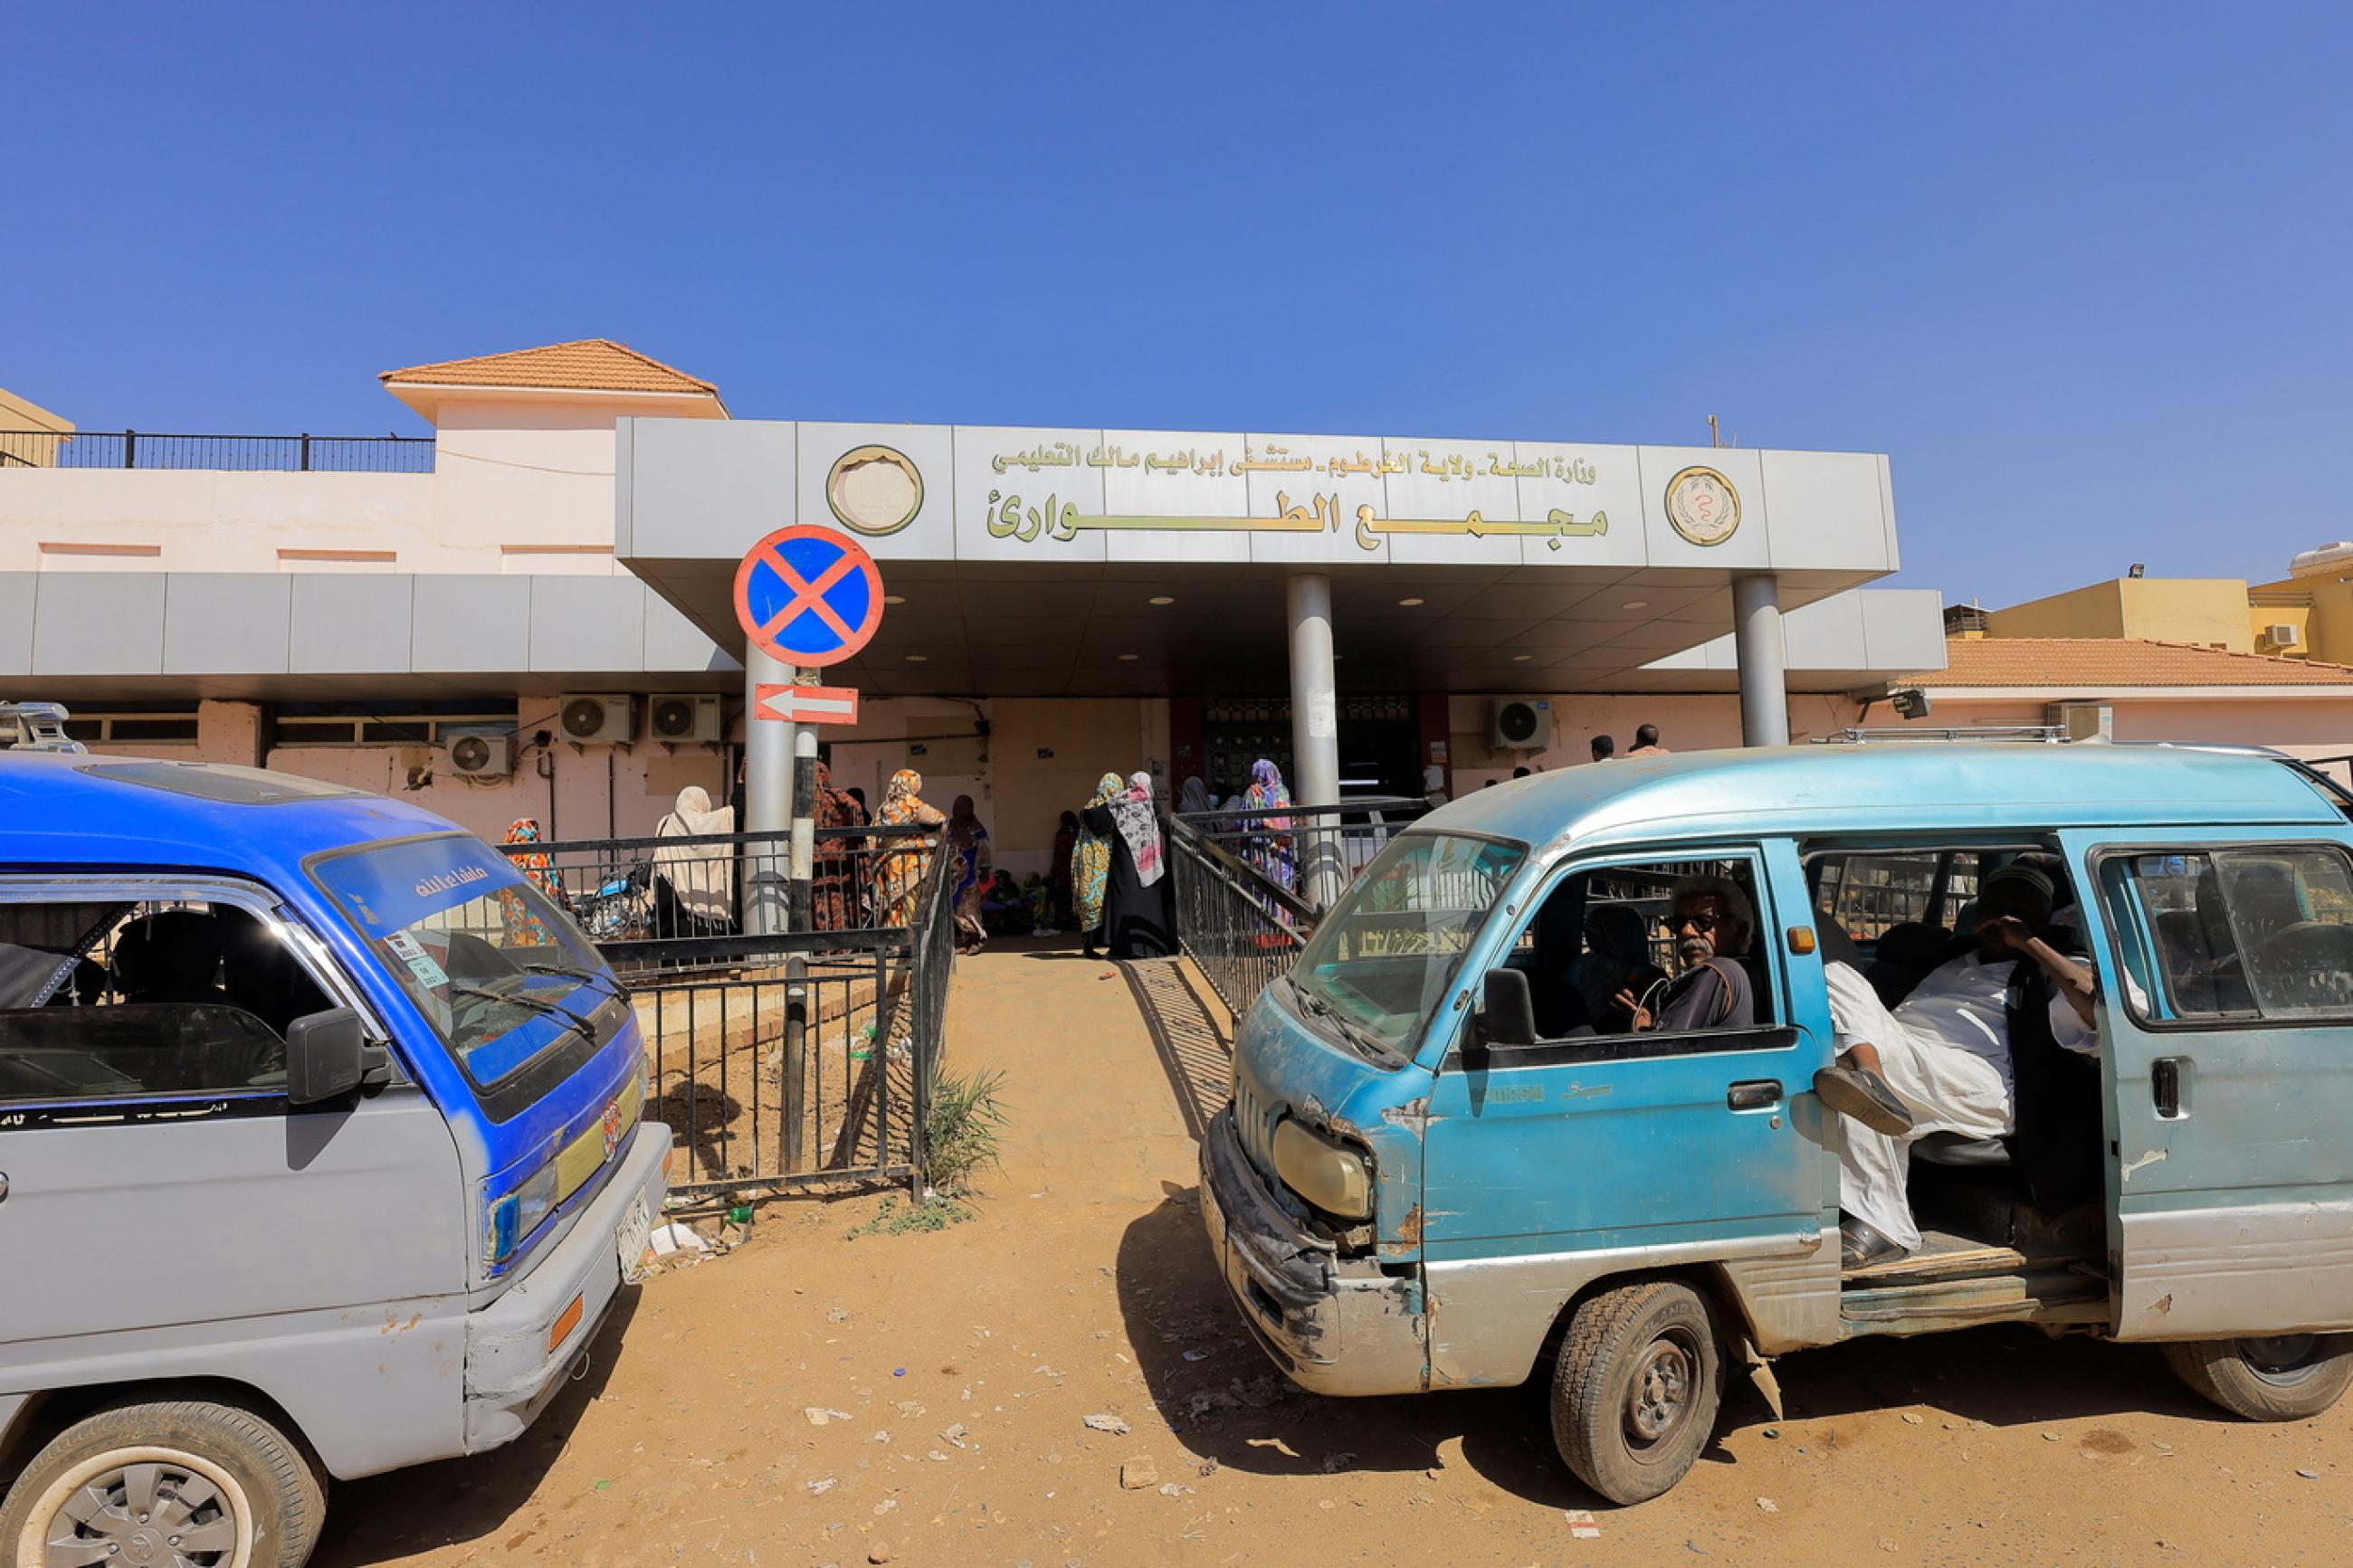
[
  {"x": 779, "y": 1061},
  {"x": 1250, "y": 883},
  {"x": 147, "y": 449}
]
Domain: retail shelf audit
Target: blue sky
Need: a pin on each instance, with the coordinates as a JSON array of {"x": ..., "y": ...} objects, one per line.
[{"x": 2083, "y": 271}]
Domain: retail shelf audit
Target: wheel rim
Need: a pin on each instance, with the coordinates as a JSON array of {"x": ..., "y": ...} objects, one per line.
[
  {"x": 2282, "y": 1359},
  {"x": 140, "y": 1507},
  {"x": 1665, "y": 1386}
]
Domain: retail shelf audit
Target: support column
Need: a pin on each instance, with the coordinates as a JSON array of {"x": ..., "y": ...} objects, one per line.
[
  {"x": 1756, "y": 642},
  {"x": 768, "y": 797},
  {"x": 804, "y": 861},
  {"x": 1315, "y": 733}
]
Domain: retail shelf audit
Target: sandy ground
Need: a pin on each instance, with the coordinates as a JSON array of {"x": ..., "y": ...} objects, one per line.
[{"x": 965, "y": 1363}]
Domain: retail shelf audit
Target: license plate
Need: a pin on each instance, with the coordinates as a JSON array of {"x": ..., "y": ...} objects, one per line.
[{"x": 630, "y": 1242}]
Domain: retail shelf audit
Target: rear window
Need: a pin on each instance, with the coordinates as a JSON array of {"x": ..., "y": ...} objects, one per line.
[{"x": 222, "y": 782}]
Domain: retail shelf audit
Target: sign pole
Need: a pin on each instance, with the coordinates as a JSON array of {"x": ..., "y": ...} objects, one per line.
[
  {"x": 803, "y": 864},
  {"x": 768, "y": 799}
]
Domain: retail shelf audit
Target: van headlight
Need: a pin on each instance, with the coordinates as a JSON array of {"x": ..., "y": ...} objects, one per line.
[
  {"x": 1333, "y": 1176},
  {"x": 519, "y": 1213}
]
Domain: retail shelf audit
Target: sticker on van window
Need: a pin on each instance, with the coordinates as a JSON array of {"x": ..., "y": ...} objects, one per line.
[{"x": 411, "y": 953}]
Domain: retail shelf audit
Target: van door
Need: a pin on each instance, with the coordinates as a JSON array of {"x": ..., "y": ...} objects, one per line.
[
  {"x": 167, "y": 1213},
  {"x": 2226, "y": 1025},
  {"x": 1662, "y": 1146}
]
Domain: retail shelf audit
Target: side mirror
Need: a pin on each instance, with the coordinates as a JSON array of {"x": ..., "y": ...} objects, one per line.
[
  {"x": 326, "y": 1057},
  {"x": 1508, "y": 1014}
]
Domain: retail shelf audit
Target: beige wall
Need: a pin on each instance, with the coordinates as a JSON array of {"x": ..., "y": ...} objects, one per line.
[
  {"x": 2207, "y": 611},
  {"x": 1686, "y": 723},
  {"x": 2302, "y": 727}
]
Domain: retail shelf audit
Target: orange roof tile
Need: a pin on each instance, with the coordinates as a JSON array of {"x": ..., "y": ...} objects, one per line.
[
  {"x": 2094, "y": 663},
  {"x": 589, "y": 364}
]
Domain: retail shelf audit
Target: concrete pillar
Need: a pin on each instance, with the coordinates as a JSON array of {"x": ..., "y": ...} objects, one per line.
[
  {"x": 768, "y": 797},
  {"x": 1314, "y": 734},
  {"x": 1756, "y": 641}
]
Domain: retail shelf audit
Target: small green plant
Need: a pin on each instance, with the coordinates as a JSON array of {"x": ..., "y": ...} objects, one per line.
[
  {"x": 961, "y": 1122},
  {"x": 934, "y": 1213}
]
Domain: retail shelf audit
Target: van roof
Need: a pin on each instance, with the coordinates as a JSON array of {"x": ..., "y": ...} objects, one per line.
[
  {"x": 62, "y": 809},
  {"x": 1894, "y": 788}
]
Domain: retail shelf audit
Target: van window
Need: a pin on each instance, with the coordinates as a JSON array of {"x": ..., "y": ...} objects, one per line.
[
  {"x": 166, "y": 998},
  {"x": 1867, "y": 895},
  {"x": 1601, "y": 936},
  {"x": 483, "y": 951},
  {"x": 1386, "y": 954},
  {"x": 2264, "y": 931}
]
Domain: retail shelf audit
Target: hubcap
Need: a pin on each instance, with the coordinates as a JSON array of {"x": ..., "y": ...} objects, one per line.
[
  {"x": 2281, "y": 1358},
  {"x": 1659, "y": 1396},
  {"x": 148, "y": 1514}
]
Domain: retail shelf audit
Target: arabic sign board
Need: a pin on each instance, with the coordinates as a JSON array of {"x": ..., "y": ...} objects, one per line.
[
  {"x": 806, "y": 704},
  {"x": 808, "y": 595}
]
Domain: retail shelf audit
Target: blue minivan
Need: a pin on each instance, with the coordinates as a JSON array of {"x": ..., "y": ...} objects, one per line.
[
  {"x": 1451, "y": 1162},
  {"x": 320, "y": 1154}
]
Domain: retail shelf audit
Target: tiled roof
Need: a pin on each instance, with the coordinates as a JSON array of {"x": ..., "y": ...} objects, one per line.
[
  {"x": 590, "y": 365},
  {"x": 2097, "y": 663}
]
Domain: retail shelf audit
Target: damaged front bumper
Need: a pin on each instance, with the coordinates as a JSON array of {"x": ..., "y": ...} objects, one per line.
[{"x": 1338, "y": 1326}]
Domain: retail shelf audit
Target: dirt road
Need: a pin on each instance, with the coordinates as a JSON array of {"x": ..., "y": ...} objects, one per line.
[{"x": 965, "y": 1363}]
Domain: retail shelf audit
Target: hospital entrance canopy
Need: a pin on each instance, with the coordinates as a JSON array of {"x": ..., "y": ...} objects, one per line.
[{"x": 1027, "y": 562}]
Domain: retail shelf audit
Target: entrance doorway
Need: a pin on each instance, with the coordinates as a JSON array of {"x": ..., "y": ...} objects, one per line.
[{"x": 1379, "y": 745}]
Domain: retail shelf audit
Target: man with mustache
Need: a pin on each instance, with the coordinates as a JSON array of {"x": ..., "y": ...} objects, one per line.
[{"x": 1711, "y": 922}]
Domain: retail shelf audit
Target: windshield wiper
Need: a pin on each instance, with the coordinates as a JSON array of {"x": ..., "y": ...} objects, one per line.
[
  {"x": 619, "y": 991},
  {"x": 1352, "y": 1034},
  {"x": 533, "y": 1004}
]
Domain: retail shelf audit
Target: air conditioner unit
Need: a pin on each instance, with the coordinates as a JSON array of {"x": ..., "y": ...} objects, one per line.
[
  {"x": 2083, "y": 721},
  {"x": 683, "y": 716},
  {"x": 2282, "y": 634},
  {"x": 596, "y": 718},
  {"x": 1522, "y": 724},
  {"x": 480, "y": 754}
]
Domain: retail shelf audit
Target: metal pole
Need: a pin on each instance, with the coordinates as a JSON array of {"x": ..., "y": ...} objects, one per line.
[
  {"x": 797, "y": 894},
  {"x": 1756, "y": 641},
  {"x": 768, "y": 797},
  {"x": 1315, "y": 731}
]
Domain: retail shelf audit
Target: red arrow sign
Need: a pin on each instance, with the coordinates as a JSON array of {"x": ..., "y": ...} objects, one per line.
[{"x": 807, "y": 704}]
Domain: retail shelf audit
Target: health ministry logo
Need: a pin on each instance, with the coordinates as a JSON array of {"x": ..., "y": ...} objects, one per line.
[
  {"x": 1703, "y": 506},
  {"x": 874, "y": 490}
]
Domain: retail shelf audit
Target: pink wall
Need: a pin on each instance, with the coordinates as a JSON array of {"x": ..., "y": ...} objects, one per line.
[
  {"x": 2300, "y": 726},
  {"x": 1686, "y": 723}
]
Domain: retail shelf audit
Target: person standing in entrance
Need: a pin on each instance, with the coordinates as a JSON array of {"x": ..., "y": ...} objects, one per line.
[
  {"x": 898, "y": 868},
  {"x": 971, "y": 866},
  {"x": 1090, "y": 863},
  {"x": 1135, "y": 919},
  {"x": 1604, "y": 748},
  {"x": 1646, "y": 742},
  {"x": 1272, "y": 849}
]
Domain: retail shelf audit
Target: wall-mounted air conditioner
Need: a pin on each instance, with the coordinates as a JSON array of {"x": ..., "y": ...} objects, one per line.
[
  {"x": 1520, "y": 724},
  {"x": 683, "y": 716},
  {"x": 480, "y": 754},
  {"x": 596, "y": 718},
  {"x": 2282, "y": 634},
  {"x": 2083, "y": 721}
]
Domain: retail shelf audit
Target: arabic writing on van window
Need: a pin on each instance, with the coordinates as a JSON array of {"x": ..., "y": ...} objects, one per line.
[{"x": 1012, "y": 517}]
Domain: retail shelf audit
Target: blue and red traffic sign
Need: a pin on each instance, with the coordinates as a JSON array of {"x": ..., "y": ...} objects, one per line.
[{"x": 808, "y": 595}]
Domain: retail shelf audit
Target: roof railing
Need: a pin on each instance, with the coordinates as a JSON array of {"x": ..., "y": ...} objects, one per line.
[
  {"x": 2040, "y": 734},
  {"x": 301, "y": 454},
  {"x": 37, "y": 727}
]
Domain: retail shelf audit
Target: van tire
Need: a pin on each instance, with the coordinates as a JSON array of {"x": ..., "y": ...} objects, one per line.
[
  {"x": 2254, "y": 1379},
  {"x": 259, "y": 1488},
  {"x": 1635, "y": 1392}
]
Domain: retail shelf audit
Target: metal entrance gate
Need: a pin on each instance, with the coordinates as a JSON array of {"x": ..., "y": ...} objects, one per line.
[{"x": 778, "y": 1061}]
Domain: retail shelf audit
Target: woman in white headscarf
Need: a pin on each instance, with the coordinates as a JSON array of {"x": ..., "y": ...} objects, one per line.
[
  {"x": 1135, "y": 895},
  {"x": 695, "y": 884}
]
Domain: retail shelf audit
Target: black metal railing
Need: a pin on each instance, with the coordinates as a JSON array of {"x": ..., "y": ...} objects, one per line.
[
  {"x": 147, "y": 449},
  {"x": 779, "y": 1061},
  {"x": 1250, "y": 883}
]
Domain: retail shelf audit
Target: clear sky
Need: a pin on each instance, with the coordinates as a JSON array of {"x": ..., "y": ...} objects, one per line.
[{"x": 2083, "y": 271}]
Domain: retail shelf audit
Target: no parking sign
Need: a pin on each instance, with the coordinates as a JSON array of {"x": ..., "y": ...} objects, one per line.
[{"x": 808, "y": 595}]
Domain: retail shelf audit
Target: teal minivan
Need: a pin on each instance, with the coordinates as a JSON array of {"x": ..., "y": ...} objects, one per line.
[{"x": 1451, "y": 1162}]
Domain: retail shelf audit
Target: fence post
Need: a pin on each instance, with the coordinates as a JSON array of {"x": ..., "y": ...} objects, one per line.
[
  {"x": 130, "y": 449},
  {"x": 795, "y": 1057},
  {"x": 306, "y": 451}
]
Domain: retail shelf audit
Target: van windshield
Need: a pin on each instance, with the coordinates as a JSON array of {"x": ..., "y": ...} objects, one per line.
[
  {"x": 489, "y": 959},
  {"x": 1386, "y": 954}
]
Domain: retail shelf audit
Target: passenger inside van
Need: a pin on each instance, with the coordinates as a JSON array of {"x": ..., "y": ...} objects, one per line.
[
  {"x": 1945, "y": 1054},
  {"x": 1710, "y": 920}
]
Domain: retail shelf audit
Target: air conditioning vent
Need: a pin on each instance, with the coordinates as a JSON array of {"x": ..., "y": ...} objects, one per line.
[
  {"x": 2282, "y": 634},
  {"x": 596, "y": 718},
  {"x": 481, "y": 754},
  {"x": 684, "y": 716},
  {"x": 1521, "y": 725},
  {"x": 2083, "y": 721}
]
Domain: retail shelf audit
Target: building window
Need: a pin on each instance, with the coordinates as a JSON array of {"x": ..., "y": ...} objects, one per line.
[
  {"x": 167, "y": 723},
  {"x": 382, "y": 724}
]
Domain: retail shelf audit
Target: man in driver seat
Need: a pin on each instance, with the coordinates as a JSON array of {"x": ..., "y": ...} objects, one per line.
[
  {"x": 1711, "y": 920},
  {"x": 1940, "y": 1062}
]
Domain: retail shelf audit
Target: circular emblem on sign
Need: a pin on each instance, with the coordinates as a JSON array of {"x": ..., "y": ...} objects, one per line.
[
  {"x": 1703, "y": 506},
  {"x": 808, "y": 595},
  {"x": 874, "y": 490}
]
